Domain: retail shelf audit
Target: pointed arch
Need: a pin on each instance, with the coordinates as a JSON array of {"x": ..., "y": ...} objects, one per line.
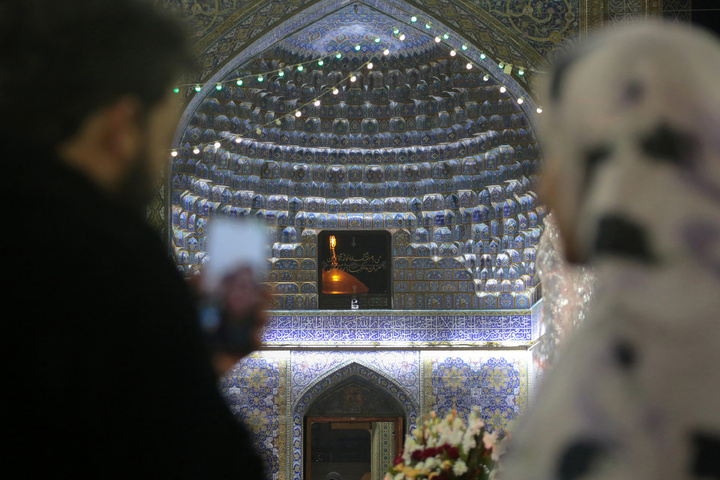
[{"x": 351, "y": 368}]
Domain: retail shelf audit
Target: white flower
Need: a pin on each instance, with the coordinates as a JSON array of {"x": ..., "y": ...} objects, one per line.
[
  {"x": 468, "y": 444},
  {"x": 455, "y": 438},
  {"x": 459, "y": 468},
  {"x": 410, "y": 447},
  {"x": 430, "y": 464},
  {"x": 399, "y": 476}
]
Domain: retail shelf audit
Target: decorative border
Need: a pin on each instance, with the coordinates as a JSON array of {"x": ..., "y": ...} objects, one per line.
[{"x": 400, "y": 328}]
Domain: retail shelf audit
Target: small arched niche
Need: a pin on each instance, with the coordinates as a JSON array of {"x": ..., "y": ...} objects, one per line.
[{"x": 352, "y": 431}]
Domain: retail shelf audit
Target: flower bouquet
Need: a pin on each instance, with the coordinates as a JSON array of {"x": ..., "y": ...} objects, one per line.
[{"x": 448, "y": 449}]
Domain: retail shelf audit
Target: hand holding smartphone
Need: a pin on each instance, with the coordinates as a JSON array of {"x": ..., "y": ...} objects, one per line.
[{"x": 233, "y": 302}]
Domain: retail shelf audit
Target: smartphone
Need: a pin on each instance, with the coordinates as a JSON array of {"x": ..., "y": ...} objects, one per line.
[
  {"x": 232, "y": 245},
  {"x": 230, "y": 283}
]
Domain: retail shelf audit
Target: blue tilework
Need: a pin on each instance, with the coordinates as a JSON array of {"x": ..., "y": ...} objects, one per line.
[{"x": 388, "y": 327}]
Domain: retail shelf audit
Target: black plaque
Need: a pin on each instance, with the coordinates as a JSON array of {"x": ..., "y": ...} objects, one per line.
[{"x": 356, "y": 273}]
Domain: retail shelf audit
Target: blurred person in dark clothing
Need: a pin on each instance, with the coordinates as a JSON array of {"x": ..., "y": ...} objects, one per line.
[{"x": 106, "y": 372}]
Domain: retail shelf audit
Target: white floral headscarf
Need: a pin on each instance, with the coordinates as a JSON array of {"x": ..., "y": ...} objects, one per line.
[{"x": 632, "y": 148}]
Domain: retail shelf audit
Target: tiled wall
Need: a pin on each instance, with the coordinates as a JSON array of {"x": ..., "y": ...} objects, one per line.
[
  {"x": 270, "y": 391},
  {"x": 426, "y": 360}
]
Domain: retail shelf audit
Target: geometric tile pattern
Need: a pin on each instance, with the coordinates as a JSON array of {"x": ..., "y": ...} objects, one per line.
[
  {"x": 331, "y": 34},
  {"x": 256, "y": 393},
  {"x": 497, "y": 383},
  {"x": 677, "y": 10},
  {"x": 383, "y": 448}
]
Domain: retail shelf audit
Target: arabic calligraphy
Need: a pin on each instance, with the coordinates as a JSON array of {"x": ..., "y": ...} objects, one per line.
[
  {"x": 538, "y": 20},
  {"x": 366, "y": 264}
]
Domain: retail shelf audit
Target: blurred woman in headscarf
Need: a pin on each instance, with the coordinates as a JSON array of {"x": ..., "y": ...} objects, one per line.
[{"x": 632, "y": 149}]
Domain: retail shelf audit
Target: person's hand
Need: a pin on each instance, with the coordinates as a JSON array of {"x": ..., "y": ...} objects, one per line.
[
  {"x": 234, "y": 316},
  {"x": 245, "y": 305}
]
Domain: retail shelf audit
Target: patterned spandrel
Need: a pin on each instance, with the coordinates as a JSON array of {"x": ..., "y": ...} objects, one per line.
[
  {"x": 495, "y": 382},
  {"x": 256, "y": 393}
]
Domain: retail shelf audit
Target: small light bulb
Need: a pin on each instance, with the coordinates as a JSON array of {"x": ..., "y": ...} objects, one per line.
[
  {"x": 377, "y": 39},
  {"x": 501, "y": 65},
  {"x": 321, "y": 63},
  {"x": 469, "y": 66},
  {"x": 396, "y": 30},
  {"x": 335, "y": 91},
  {"x": 402, "y": 37},
  {"x": 174, "y": 153},
  {"x": 503, "y": 89},
  {"x": 482, "y": 56},
  {"x": 539, "y": 110},
  {"x": 370, "y": 66},
  {"x": 446, "y": 36},
  {"x": 339, "y": 55},
  {"x": 281, "y": 73},
  {"x": 217, "y": 145},
  {"x": 176, "y": 90},
  {"x": 413, "y": 19},
  {"x": 453, "y": 53},
  {"x": 300, "y": 68},
  {"x": 437, "y": 40},
  {"x": 298, "y": 113},
  {"x": 386, "y": 51},
  {"x": 464, "y": 47},
  {"x": 486, "y": 78},
  {"x": 261, "y": 78},
  {"x": 520, "y": 101},
  {"x": 521, "y": 72},
  {"x": 353, "y": 78},
  {"x": 218, "y": 86},
  {"x": 317, "y": 103},
  {"x": 239, "y": 82},
  {"x": 238, "y": 140},
  {"x": 196, "y": 150},
  {"x": 428, "y": 26},
  {"x": 198, "y": 88},
  {"x": 357, "y": 48}
]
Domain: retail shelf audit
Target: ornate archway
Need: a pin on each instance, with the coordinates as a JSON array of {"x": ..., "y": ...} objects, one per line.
[{"x": 330, "y": 379}]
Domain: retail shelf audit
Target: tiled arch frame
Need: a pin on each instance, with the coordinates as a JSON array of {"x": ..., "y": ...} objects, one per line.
[
  {"x": 254, "y": 20},
  {"x": 392, "y": 8},
  {"x": 351, "y": 368}
]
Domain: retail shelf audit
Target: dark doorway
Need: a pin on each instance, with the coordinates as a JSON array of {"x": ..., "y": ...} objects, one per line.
[{"x": 353, "y": 431}]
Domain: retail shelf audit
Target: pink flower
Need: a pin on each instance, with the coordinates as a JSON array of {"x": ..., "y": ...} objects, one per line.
[{"x": 489, "y": 440}]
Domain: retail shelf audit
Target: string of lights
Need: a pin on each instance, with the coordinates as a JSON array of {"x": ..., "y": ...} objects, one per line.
[{"x": 506, "y": 67}]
